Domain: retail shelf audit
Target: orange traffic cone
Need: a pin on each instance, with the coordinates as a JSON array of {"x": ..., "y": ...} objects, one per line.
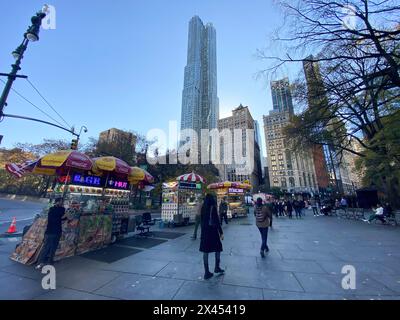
[{"x": 13, "y": 226}]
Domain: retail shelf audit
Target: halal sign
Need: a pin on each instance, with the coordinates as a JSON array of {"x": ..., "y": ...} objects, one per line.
[{"x": 115, "y": 184}]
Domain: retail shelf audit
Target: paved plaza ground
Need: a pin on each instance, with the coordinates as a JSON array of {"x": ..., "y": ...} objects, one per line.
[{"x": 305, "y": 262}]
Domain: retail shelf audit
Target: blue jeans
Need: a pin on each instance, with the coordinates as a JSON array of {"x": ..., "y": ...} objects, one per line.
[{"x": 264, "y": 238}]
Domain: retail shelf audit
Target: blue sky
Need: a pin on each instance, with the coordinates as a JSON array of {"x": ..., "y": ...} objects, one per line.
[{"x": 120, "y": 63}]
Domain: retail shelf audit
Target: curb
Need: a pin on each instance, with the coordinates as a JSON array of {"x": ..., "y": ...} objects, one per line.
[
  {"x": 10, "y": 235},
  {"x": 23, "y": 198}
]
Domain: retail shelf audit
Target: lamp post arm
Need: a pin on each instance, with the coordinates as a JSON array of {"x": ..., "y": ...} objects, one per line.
[{"x": 41, "y": 121}]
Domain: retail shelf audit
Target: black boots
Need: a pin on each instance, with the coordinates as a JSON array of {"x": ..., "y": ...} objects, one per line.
[
  {"x": 207, "y": 274},
  {"x": 217, "y": 268}
]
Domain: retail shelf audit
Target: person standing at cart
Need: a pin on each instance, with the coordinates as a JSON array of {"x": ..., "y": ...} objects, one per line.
[
  {"x": 52, "y": 234},
  {"x": 223, "y": 211},
  {"x": 211, "y": 235}
]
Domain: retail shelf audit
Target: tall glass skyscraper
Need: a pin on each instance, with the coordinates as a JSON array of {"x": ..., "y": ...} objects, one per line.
[
  {"x": 281, "y": 96},
  {"x": 200, "y": 104}
]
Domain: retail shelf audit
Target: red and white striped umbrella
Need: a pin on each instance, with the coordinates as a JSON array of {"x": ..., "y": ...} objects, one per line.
[{"x": 191, "y": 177}]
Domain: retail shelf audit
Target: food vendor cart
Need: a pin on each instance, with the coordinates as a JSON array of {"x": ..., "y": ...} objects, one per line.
[
  {"x": 180, "y": 199},
  {"x": 96, "y": 198},
  {"x": 235, "y": 193}
]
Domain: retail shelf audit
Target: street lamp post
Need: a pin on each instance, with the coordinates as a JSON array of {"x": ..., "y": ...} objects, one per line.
[{"x": 32, "y": 34}]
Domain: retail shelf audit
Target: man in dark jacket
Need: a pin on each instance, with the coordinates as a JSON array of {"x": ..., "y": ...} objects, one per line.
[
  {"x": 53, "y": 233},
  {"x": 223, "y": 211}
]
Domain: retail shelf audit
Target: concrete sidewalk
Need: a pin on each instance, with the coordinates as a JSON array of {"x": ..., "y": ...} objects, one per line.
[{"x": 305, "y": 262}]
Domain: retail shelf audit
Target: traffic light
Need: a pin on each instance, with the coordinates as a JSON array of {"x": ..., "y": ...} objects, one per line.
[{"x": 74, "y": 144}]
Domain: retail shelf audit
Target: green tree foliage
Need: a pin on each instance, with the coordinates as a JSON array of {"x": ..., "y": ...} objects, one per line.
[
  {"x": 28, "y": 185},
  {"x": 382, "y": 168},
  {"x": 350, "y": 87}
]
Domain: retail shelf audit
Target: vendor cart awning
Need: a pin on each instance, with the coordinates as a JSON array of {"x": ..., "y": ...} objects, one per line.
[
  {"x": 139, "y": 175},
  {"x": 110, "y": 164},
  {"x": 52, "y": 164},
  {"x": 191, "y": 177}
]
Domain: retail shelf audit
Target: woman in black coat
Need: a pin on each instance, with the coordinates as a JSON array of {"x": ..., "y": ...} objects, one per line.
[{"x": 211, "y": 235}]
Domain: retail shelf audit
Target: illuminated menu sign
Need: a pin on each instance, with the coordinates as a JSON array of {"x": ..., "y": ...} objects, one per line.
[
  {"x": 235, "y": 190},
  {"x": 91, "y": 181},
  {"x": 115, "y": 184},
  {"x": 100, "y": 182},
  {"x": 189, "y": 185}
]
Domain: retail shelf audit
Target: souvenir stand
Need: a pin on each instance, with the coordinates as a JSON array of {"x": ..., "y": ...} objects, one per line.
[
  {"x": 180, "y": 199},
  {"x": 235, "y": 193}
]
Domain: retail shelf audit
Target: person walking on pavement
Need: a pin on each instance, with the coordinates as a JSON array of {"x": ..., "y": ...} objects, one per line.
[
  {"x": 343, "y": 204},
  {"x": 289, "y": 208},
  {"x": 197, "y": 219},
  {"x": 314, "y": 206},
  {"x": 223, "y": 211},
  {"x": 211, "y": 235},
  {"x": 297, "y": 208},
  {"x": 274, "y": 208},
  {"x": 52, "y": 234},
  {"x": 263, "y": 216},
  {"x": 280, "y": 208}
]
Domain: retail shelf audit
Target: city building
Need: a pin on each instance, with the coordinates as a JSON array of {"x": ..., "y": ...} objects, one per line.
[
  {"x": 115, "y": 135},
  {"x": 241, "y": 119},
  {"x": 292, "y": 171},
  {"x": 200, "y": 104},
  {"x": 329, "y": 167},
  {"x": 111, "y": 140},
  {"x": 281, "y": 96},
  {"x": 324, "y": 171},
  {"x": 321, "y": 170}
]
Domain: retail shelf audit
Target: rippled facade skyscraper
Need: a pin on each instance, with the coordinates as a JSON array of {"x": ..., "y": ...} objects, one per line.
[{"x": 200, "y": 104}]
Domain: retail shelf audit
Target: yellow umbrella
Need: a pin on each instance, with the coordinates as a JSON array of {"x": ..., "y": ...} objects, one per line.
[
  {"x": 136, "y": 175},
  {"x": 110, "y": 164},
  {"x": 61, "y": 162}
]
